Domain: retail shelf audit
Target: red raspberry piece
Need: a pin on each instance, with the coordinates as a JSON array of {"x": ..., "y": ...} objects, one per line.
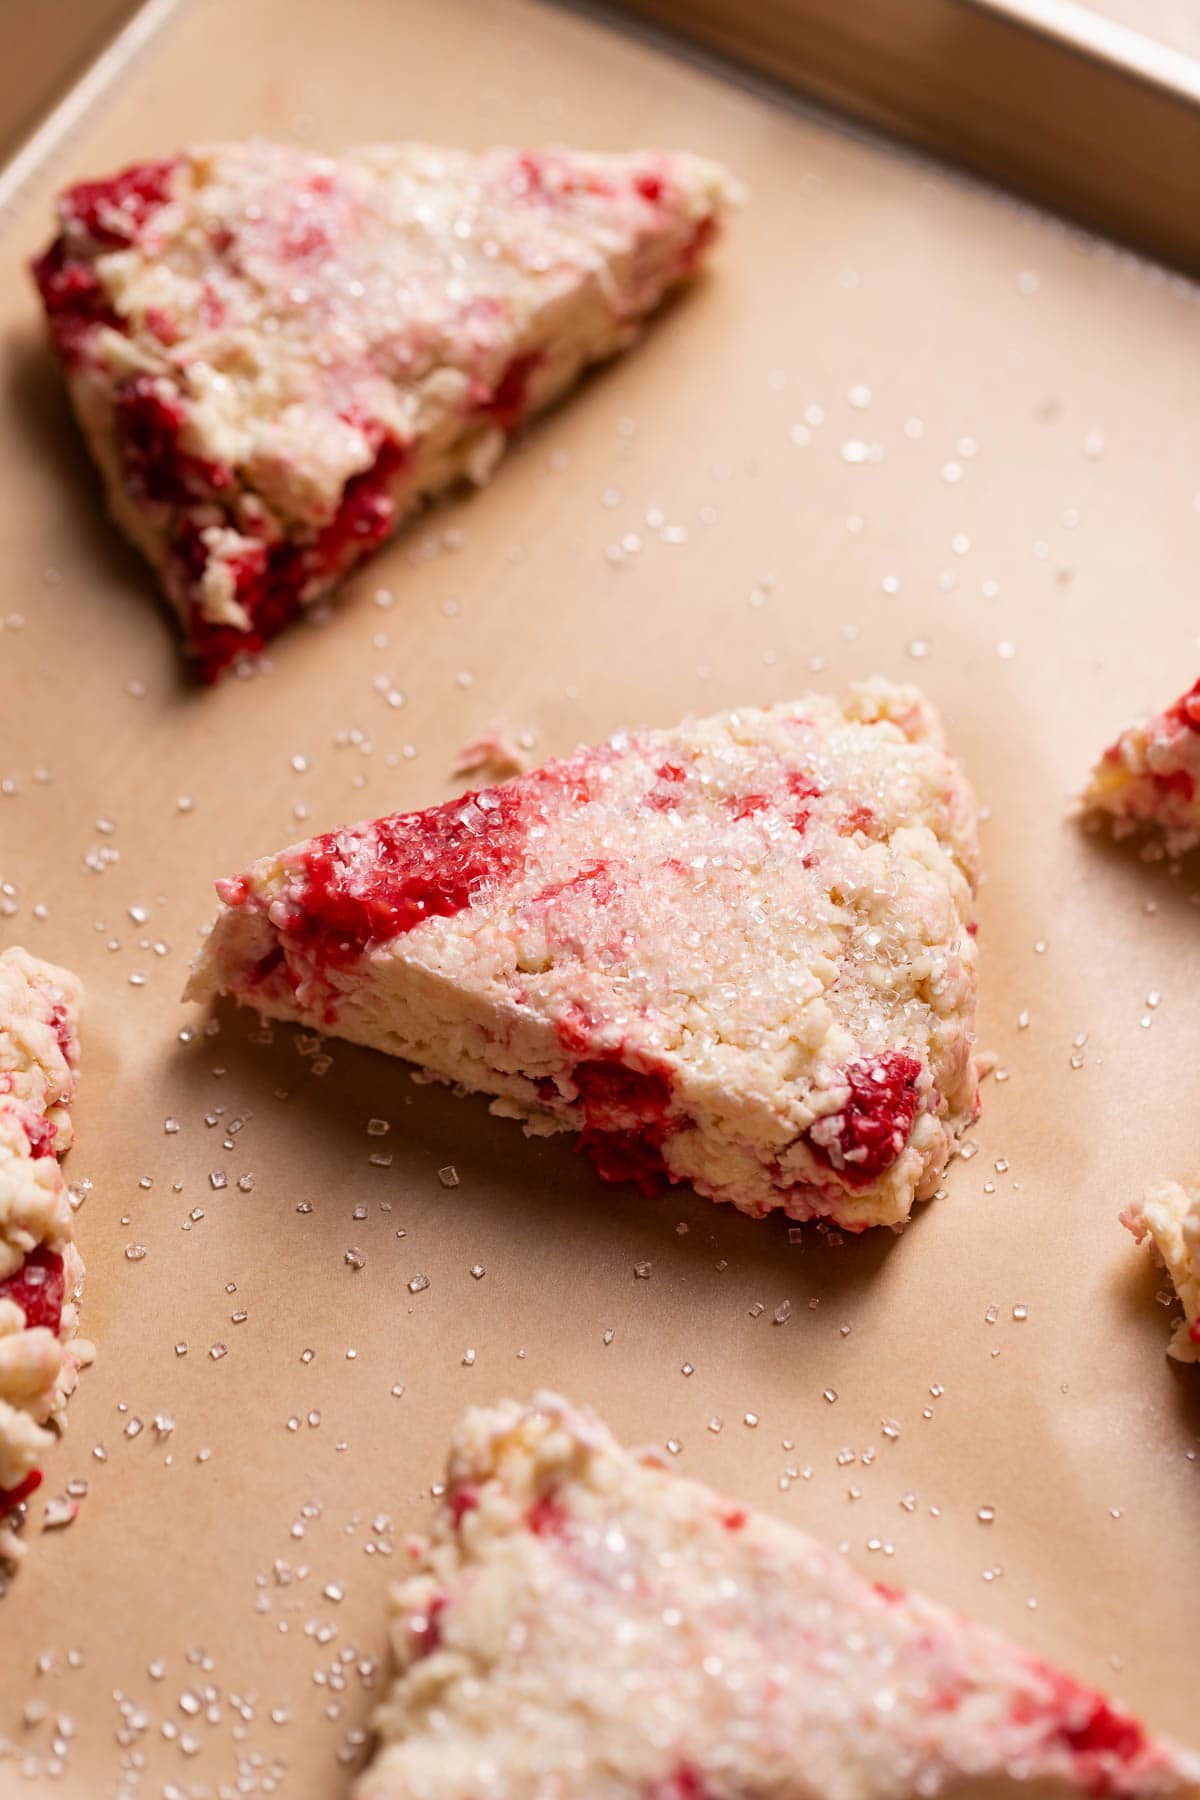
[
  {"x": 361, "y": 886},
  {"x": 10, "y": 1497},
  {"x": 270, "y": 581},
  {"x": 1186, "y": 710},
  {"x": 683, "y": 1783},
  {"x": 626, "y": 1121},
  {"x": 462, "y": 1501},
  {"x": 150, "y": 420},
  {"x": 871, "y": 1130},
  {"x": 1104, "y": 1730},
  {"x": 41, "y": 1135},
  {"x": 429, "y": 1636},
  {"x": 547, "y": 1517},
  {"x": 114, "y": 211},
  {"x": 505, "y": 404},
  {"x": 37, "y": 1288}
]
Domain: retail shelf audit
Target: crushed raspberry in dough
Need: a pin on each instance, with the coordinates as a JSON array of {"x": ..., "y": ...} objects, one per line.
[
  {"x": 738, "y": 954},
  {"x": 584, "y": 1624},
  {"x": 275, "y": 356}
]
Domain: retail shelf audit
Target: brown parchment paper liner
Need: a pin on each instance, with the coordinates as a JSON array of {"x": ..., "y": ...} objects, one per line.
[{"x": 745, "y": 507}]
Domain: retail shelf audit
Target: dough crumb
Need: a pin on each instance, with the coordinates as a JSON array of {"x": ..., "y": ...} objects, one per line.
[{"x": 497, "y": 754}]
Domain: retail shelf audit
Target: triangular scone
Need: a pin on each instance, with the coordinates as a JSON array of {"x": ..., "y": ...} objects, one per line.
[
  {"x": 1169, "y": 1215},
  {"x": 40, "y": 1269},
  {"x": 737, "y": 954},
  {"x": 1151, "y": 774},
  {"x": 584, "y": 1624},
  {"x": 275, "y": 355}
]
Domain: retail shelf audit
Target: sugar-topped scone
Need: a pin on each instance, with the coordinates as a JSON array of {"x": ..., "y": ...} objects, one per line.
[
  {"x": 40, "y": 1269},
  {"x": 738, "y": 954},
  {"x": 1169, "y": 1216},
  {"x": 275, "y": 355},
  {"x": 583, "y": 1624},
  {"x": 1151, "y": 775}
]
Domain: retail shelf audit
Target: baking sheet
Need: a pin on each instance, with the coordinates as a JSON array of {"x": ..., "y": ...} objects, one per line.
[
  {"x": 1046, "y": 97},
  {"x": 905, "y": 426},
  {"x": 49, "y": 45}
]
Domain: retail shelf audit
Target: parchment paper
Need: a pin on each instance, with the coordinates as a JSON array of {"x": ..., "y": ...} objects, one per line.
[{"x": 904, "y": 427}]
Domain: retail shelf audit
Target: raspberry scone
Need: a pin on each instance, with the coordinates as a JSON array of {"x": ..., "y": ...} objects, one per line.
[
  {"x": 738, "y": 954},
  {"x": 1169, "y": 1216},
  {"x": 1151, "y": 775},
  {"x": 584, "y": 1624},
  {"x": 40, "y": 1268},
  {"x": 275, "y": 356}
]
